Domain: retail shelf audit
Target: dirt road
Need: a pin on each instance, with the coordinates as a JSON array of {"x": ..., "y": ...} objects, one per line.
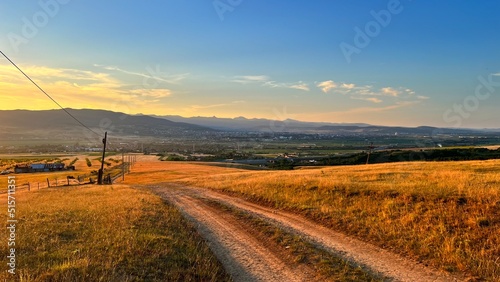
[{"x": 247, "y": 259}]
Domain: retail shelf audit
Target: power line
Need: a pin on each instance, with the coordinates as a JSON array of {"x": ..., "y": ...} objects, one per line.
[{"x": 29, "y": 78}]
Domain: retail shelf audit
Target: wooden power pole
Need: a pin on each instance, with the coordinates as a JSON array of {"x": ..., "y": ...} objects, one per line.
[
  {"x": 101, "y": 171},
  {"x": 370, "y": 148},
  {"x": 123, "y": 165}
]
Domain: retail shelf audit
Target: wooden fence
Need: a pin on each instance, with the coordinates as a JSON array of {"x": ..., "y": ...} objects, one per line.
[{"x": 113, "y": 175}]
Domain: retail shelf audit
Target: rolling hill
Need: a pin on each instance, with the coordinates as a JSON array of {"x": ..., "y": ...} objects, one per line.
[{"x": 25, "y": 123}]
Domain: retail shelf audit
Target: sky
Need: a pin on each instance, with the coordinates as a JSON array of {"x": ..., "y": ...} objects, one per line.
[{"x": 388, "y": 62}]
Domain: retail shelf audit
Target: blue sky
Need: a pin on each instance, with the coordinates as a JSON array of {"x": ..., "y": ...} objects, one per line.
[{"x": 406, "y": 62}]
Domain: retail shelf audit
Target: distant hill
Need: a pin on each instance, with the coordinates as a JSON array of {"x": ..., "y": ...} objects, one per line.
[
  {"x": 57, "y": 123},
  {"x": 255, "y": 124},
  {"x": 290, "y": 125}
]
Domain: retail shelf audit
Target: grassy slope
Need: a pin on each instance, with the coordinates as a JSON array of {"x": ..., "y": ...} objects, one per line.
[
  {"x": 331, "y": 267},
  {"x": 445, "y": 214},
  {"x": 107, "y": 233}
]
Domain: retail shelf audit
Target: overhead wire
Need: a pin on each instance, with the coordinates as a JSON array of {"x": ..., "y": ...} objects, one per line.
[{"x": 43, "y": 91}]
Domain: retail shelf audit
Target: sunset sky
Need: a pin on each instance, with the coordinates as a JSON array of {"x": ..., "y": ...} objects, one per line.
[{"x": 405, "y": 62}]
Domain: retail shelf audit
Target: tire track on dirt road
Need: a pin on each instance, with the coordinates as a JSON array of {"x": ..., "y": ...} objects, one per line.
[
  {"x": 366, "y": 255},
  {"x": 244, "y": 258}
]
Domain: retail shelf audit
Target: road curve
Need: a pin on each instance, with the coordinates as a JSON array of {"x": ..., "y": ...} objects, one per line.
[
  {"x": 229, "y": 251},
  {"x": 243, "y": 257}
]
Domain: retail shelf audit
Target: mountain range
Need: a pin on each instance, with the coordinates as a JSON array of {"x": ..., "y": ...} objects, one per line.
[
  {"x": 56, "y": 123},
  {"x": 289, "y": 125},
  {"x": 256, "y": 124}
]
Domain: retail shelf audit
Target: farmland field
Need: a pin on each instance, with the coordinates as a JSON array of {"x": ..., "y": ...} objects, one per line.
[{"x": 442, "y": 214}]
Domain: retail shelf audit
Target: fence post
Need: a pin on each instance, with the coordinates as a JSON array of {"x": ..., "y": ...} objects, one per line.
[
  {"x": 38, "y": 185},
  {"x": 48, "y": 183},
  {"x": 29, "y": 186}
]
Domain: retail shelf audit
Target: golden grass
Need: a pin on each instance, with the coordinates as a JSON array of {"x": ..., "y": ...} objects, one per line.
[
  {"x": 443, "y": 213},
  {"x": 151, "y": 171},
  {"x": 329, "y": 267},
  {"x": 106, "y": 233}
]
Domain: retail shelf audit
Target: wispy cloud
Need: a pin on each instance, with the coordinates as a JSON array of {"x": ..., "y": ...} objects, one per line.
[
  {"x": 43, "y": 73},
  {"x": 151, "y": 93},
  {"x": 364, "y": 110},
  {"x": 389, "y": 91},
  {"x": 377, "y": 113},
  {"x": 245, "y": 79},
  {"x": 368, "y": 92},
  {"x": 300, "y": 86},
  {"x": 348, "y": 86},
  {"x": 326, "y": 86},
  {"x": 75, "y": 88},
  {"x": 203, "y": 107},
  {"x": 152, "y": 73},
  {"x": 194, "y": 108},
  {"x": 265, "y": 80},
  {"x": 369, "y": 99}
]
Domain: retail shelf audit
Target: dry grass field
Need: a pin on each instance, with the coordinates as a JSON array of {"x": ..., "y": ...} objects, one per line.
[
  {"x": 446, "y": 214},
  {"x": 148, "y": 170},
  {"x": 105, "y": 233}
]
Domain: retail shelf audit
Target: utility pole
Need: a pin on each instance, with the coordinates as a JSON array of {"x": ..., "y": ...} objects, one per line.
[
  {"x": 370, "y": 148},
  {"x": 101, "y": 171},
  {"x": 123, "y": 166}
]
